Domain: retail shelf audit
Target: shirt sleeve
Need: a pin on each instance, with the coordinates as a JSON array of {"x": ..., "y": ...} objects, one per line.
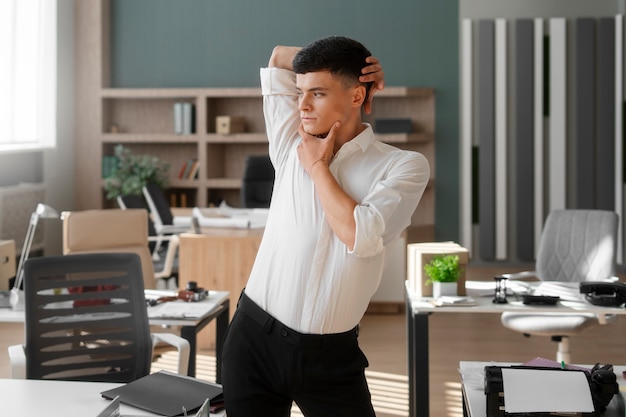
[
  {"x": 386, "y": 211},
  {"x": 280, "y": 109}
]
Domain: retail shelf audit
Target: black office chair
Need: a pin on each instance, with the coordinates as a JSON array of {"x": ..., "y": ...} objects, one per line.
[
  {"x": 258, "y": 182},
  {"x": 86, "y": 320}
]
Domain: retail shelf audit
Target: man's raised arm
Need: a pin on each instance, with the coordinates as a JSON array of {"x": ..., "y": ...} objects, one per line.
[{"x": 282, "y": 57}]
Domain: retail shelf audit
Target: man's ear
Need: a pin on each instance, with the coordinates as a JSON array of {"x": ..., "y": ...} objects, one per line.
[{"x": 359, "y": 96}]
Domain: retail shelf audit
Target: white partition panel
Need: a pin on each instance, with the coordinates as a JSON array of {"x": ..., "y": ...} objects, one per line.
[
  {"x": 501, "y": 139},
  {"x": 465, "y": 180},
  {"x": 558, "y": 114}
]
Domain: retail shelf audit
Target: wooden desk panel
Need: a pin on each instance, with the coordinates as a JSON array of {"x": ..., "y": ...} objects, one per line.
[{"x": 218, "y": 259}]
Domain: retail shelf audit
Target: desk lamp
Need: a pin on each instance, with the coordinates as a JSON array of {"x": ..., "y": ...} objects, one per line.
[{"x": 42, "y": 211}]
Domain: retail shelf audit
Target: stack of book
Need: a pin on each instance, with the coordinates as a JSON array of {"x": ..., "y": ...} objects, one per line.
[
  {"x": 189, "y": 170},
  {"x": 184, "y": 118}
]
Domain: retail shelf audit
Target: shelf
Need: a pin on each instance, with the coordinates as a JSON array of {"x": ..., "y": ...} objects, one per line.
[
  {"x": 145, "y": 122},
  {"x": 172, "y": 93},
  {"x": 168, "y": 138},
  {"x": 405, "y": 137},
  {"x": 237, "y": 138}
]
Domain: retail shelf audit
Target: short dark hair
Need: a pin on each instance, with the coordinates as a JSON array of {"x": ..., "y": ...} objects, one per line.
[{"x": 339, "y": 55}]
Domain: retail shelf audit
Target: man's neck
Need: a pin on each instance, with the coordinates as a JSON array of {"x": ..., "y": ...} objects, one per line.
[{"x": 348, "y": 135}]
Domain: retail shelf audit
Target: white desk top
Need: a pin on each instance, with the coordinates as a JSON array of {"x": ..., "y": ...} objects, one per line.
[
  {"x": 484, "y": 304},
  {"x": 183, "y": 313},
  {"x": 201, "y": 309},
  {"x": 29, "y": 397},
  {"x": 472, "y": 376}
]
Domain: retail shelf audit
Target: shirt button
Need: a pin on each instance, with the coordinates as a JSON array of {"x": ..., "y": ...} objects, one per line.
[{"x": 283, "y": 332}]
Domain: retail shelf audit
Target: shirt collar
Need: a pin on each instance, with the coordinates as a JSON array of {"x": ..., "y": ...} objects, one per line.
[{"x": 362, "y": 141}]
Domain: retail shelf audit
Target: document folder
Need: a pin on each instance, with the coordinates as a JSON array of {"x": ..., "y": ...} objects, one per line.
[{"x": 166, "y": 393}]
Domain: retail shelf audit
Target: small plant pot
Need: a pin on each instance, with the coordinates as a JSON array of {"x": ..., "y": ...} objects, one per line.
[{"x": 443, "y": 288}]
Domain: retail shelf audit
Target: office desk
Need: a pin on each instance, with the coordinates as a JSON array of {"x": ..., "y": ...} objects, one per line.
[
  {"x": 418, "y": 311},
  {"x": 218, "y": 259},
  {"x": 30, "y": 397},
  {"x": 218, "y": 309},
  {"x": 475, "y": 403},
  {"x": 190, "y": 327}
]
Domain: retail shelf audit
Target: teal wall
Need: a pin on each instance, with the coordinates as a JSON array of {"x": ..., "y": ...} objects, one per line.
[{"x": 223, "y": 43}]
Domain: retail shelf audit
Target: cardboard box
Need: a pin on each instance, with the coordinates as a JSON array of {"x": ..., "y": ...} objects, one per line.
[
  {"x": 225, "y": 125},
  {"x": 420, "y": 254},
  {"x": 7, "y": 263}
]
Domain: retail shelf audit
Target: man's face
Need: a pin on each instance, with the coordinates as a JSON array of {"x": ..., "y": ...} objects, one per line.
[{"x": 323, "y": 100}]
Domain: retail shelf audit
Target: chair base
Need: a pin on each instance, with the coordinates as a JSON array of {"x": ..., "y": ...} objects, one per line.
[{"x": 563, "y": 354}]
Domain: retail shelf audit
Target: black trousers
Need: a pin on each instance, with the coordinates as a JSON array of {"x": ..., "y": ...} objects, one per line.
[{"x": 266, "y": 366}]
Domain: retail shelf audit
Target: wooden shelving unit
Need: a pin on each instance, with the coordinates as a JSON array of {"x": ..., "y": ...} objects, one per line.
[{"x": 144, "y": 118}]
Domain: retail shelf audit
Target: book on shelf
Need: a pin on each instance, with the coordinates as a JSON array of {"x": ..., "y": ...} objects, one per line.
[
  {"x": 186, "y": 168},
  {"x": 183, "y": 169},
  {"x": 184, "y": 118},
  {"x": 188, "y": 119},
  {"x": 193, "y": 171},
  {"x": 178, "y": 118},
  {"x": 109, "y": 165}
]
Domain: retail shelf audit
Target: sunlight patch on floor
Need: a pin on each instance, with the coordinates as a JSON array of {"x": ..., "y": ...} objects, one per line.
[{"x": 454, "y": 399}]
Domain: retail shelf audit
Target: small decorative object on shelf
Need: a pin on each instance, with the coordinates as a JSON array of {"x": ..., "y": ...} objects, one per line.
[
  {"x": 500, "y": 290},
  {"x": 133, "y": 172},
  {"x": 230, "y": 124}
]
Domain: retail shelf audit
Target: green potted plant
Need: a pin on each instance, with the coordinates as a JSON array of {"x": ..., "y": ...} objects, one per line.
[
  {"x": 443, "y": 272},
  {"x": 133, "y": 171}
]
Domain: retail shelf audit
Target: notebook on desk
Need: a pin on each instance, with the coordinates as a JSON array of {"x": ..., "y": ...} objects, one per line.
[{"x": 166, "y": 393}]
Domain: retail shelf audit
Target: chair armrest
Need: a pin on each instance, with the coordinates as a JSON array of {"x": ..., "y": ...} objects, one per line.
[
  {"x": 170, "y": 255},
  {"x": 17, "y": 358},
  {"x": 180, "y": 344}
]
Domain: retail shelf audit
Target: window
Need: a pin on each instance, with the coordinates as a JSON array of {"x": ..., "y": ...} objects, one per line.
[{"x": 27, "y": 74}]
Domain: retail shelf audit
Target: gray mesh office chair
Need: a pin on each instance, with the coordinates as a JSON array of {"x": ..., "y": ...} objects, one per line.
[
  {"x": 575, "y": 246},
  {"x": 86, "y": 320}
]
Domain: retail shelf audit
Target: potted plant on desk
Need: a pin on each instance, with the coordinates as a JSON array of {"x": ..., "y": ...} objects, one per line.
[{"x": 443, "y": 272}]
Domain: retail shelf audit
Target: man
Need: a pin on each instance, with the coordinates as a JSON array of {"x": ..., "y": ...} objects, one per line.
[{"x": 340, "y": 198}]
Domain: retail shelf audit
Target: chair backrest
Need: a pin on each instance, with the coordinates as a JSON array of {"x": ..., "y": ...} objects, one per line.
[
  {"x": 109, "y": 230},
  {"x": 258, "y": 182},
  {"x": 578, "y": 245},
  {"x": 158, "y": 205},
  {"x": 86, "y": 318}
]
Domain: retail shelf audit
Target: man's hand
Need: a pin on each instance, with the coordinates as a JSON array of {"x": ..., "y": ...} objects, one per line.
[
  {"x": 314, "y": 151},
  {"x": 372, "y": 73}
]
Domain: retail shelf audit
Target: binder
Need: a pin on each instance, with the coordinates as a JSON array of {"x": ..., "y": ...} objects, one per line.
[{"x": 166, "y": 393}]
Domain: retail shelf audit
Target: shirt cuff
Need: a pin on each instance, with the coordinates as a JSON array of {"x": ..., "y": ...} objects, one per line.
[{"x": 369, "y": 232}]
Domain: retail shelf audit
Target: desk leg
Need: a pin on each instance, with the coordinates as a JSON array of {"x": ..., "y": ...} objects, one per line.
[
  {"x": 417, "y": 336},
  {"x": 221, "y": 323},
  {"x": 189, "y": 333}
]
